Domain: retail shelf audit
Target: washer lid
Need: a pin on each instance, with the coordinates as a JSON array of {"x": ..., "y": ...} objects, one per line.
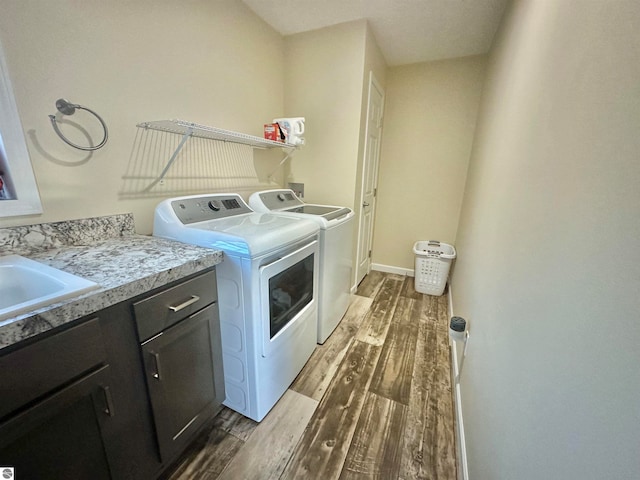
[
  {"x": 284, "y": 200},
  {"x": 327, "y": 212}
]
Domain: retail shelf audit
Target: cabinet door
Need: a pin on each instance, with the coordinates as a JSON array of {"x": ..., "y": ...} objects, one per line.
[
  {"x": 179, "y": 364},
  {"x": 65, "y": 436}
]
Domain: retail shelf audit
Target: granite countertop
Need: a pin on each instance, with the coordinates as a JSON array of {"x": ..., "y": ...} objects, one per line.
[{"x": 104, "y": 250}]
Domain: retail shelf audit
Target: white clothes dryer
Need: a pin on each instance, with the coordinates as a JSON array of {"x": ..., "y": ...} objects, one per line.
[
  {"x": 267, "y": 291},
  {"x": 336, "y": 237}
]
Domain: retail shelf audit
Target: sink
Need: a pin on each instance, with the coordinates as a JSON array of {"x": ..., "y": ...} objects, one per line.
[{"x": 27, "y": 285}]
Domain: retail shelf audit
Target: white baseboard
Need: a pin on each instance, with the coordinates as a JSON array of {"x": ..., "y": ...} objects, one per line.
[
  {"x": 391, "y": 269},
  {"x": 463, "y": 471}
]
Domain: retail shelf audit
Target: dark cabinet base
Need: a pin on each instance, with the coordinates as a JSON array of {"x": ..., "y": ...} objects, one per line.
[{"x": 65, "y": 437}]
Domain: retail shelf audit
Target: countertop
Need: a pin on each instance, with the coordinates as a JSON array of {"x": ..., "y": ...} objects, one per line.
[{"x": 122, "y": 263}]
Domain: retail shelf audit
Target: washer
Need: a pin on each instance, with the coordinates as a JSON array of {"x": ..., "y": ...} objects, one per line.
[
  {"x": 267, "y": 291},
  {"x": 336, "y": 236}
]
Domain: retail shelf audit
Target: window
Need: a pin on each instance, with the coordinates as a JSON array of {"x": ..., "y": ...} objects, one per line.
[{"x": 19, "y": 192}]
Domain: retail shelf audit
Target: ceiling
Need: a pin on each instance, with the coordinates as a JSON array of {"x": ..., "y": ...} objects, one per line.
[{"x": 407, "y": 31}]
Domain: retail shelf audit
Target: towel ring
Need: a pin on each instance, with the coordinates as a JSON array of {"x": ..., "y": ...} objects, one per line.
[{"x": 68, "y": 108}]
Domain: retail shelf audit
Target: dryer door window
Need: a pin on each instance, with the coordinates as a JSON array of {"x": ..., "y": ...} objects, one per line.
[{"x": 289, "y": 292}]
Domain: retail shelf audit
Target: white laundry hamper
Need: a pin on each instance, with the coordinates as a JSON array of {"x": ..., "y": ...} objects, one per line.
[{"x": 433, "y": 260}]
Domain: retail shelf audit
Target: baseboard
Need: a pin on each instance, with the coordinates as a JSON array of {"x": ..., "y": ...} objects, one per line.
[
  {"x": 387, "y": 269},
  {"x": 463, "y": 471},
  {"x": 391, "y": 269}
]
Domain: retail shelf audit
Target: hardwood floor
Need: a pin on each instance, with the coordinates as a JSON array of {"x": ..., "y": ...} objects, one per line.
[{"x": 373, "y": 402}]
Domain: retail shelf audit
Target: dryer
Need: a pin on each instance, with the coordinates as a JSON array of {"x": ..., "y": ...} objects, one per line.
[
  {"x": 336, "y": 247},
  {"x": 267, "y": 291}
]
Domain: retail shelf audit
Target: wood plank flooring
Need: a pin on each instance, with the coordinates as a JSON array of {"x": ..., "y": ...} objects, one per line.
[{"x": 373, "y": 402}]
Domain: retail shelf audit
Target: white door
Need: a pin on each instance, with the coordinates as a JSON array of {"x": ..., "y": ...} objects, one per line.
[{"x": 373, "y": 133}]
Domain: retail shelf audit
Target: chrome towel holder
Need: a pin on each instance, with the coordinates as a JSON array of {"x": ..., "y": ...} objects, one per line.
[{"x": 67, "y": 108}]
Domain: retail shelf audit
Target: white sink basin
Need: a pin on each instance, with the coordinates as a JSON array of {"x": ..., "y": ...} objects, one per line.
[{"x": 26, "y": 285}]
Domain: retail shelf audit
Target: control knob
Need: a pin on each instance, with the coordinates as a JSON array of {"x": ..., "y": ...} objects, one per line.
[{"x": 214, "y": 205}]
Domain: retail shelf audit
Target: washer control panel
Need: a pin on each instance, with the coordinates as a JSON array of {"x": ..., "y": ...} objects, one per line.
[
  {"x": 280, "y": 199},
  {"x": 209, "y": 207}
]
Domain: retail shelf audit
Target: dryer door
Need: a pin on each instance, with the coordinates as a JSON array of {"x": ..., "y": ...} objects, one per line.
[{"x": 288, "y": 295}]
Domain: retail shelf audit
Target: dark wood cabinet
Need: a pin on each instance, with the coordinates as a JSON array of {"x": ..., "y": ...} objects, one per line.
[
  {"x": 33, "y": 371},
  {"x": 95, "y": 400},
  {"x": 56, "y": 409},
  {"x": 180, "y": 377},
  {"x": 183, "y": 359},
  {"x": 134, "y": 451},
  {"x": 66, "y": 436}
]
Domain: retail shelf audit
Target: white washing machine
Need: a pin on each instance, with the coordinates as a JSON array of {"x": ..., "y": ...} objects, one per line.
[
  {"x": 267, "y": 291},
  {"x": 336, "y": 236}
]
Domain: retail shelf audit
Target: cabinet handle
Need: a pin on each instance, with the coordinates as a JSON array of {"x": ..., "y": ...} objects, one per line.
[
  {"x": 109, "y": 400},
  {"x": 156, "y": 357},
  {"x": 191, "y": 301}
]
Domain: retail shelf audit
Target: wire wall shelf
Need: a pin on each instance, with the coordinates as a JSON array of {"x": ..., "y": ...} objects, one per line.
[
  {"x": 224, "y": 164},
  {"x": 181, "y": 127}
]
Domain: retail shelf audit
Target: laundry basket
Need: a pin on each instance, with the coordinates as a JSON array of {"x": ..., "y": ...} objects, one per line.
[{"x": 433, "y": 260}]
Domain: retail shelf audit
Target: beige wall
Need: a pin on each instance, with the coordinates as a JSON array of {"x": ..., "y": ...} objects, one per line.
[
  {"x": 430, "y": 118},
  {"x": 548, "y": 268},
  {"x": 212, "y": 62},
  {"x": 373, "y": 62},
  {"x": 323, "y": 82},
  {"x": 327, "y": 81}
]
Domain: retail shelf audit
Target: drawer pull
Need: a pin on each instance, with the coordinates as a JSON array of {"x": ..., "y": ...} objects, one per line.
[
  {"x": 156, "y": 357},
  {"x": 109, "y": 400},
  {"x": 191, "y": 301}
]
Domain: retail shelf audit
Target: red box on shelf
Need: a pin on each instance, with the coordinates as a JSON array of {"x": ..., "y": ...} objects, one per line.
[{"x": 272, "y": 132}]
